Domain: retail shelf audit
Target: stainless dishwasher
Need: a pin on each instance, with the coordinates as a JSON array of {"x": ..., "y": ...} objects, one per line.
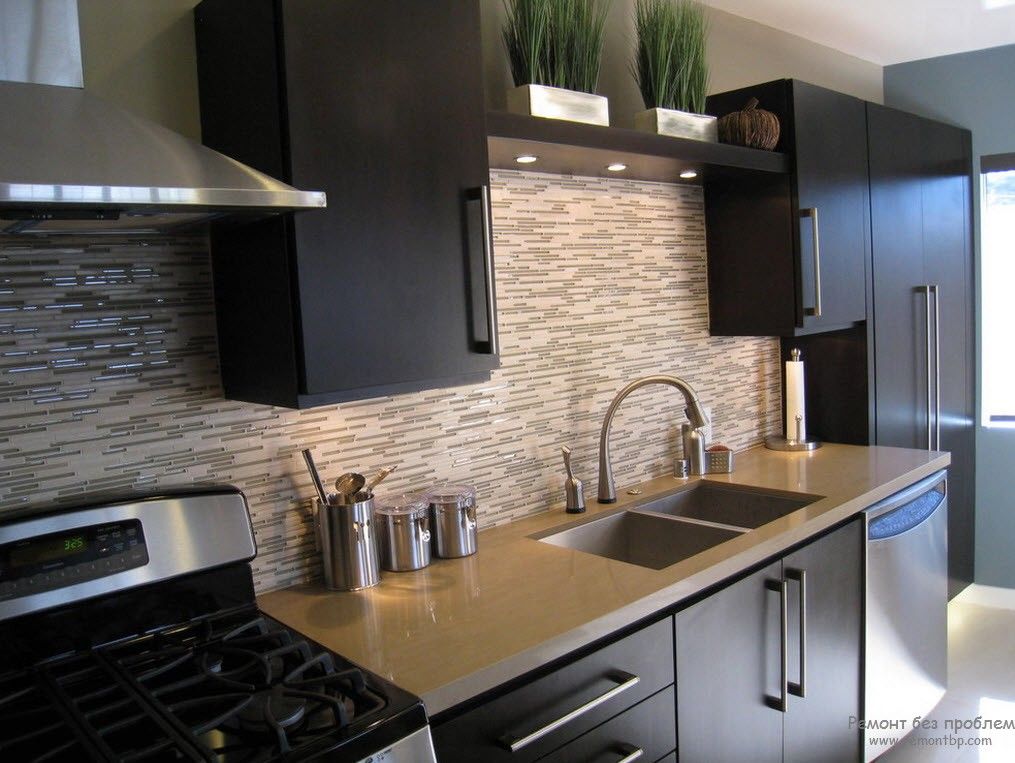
[{"x": 906, "y": 631}]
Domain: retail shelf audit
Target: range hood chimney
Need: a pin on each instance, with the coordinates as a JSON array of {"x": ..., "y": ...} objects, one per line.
[{"x": 72, "y": 162}]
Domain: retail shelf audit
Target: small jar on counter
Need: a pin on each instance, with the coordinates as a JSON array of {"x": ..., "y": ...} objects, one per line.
[
  {"x": 403, "y": 526},
  {"x": 453, "y": 515}
]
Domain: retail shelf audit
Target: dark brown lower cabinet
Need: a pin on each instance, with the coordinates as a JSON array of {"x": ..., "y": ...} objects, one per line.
[
  {"x": 732, "y": 650},
  {"x": 617, "y": 698}
]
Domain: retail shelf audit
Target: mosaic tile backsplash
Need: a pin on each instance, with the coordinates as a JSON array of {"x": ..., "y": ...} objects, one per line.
[{"x": 109, "y": 380}]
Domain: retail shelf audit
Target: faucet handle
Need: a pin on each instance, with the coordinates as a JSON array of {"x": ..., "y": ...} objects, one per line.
[{"x": 573, "y": 488}]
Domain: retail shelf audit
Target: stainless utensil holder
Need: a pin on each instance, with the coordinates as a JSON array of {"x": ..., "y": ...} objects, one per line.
[{"x": 348, "y": 545}]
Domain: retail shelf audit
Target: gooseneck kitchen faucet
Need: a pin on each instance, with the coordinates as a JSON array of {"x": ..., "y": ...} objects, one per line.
[{"x": 697, "y": 417}]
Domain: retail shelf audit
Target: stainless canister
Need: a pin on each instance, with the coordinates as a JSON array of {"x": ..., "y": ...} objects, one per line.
[
  {"x": 403, "y": 527},
  {"x": 348, "y": 545},
  {"x": 453, "y": 515}
]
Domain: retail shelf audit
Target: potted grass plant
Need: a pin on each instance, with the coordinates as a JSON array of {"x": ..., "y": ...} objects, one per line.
[
  {"x": 671, "y": 70},
  {"x": 555, "y": 48}
]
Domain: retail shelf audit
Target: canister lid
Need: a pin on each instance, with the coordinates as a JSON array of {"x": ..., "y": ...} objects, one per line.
[
  {"x": 402, "y": 505},
  {"x": 462, "y": 496}
]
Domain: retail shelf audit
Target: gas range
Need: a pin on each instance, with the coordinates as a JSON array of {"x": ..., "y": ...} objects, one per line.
[{"x": 111, "y": 659}]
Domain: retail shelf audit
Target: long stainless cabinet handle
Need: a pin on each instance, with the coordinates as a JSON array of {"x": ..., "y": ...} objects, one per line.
[
  {"x": 800, "y": 576},
  {"x": 627, "y": 681},
  {"x": 936, "y": 291},
  {"x": 930, "y": 373},
  {"x": 781, "y": 587},
  {"x": 630, "y": 754},
  {"x": 812, "y": 212},
  {"x": 491, "y": 306}
]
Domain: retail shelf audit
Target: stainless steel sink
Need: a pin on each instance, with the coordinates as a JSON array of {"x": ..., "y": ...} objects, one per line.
[
  {"x": 642, "y": 539},
  {"x": 663, "y": 531},
  {"x": 735, "y": 505}
]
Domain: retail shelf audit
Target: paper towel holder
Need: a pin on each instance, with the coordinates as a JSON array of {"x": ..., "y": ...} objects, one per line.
[
  {"x": 793, "y": 442},
  {"x": 787, "y": 443}
]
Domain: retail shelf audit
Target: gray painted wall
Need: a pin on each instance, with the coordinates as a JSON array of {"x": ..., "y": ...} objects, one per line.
[{"x": 975, "y": 90}]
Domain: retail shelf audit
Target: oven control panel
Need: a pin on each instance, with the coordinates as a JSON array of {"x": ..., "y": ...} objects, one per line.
[{"x": 47, "y": 562}]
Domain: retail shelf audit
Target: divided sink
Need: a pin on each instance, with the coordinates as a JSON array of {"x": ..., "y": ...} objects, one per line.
[
  {"x": 735, "y": 505},
  {"x": 668, "y": 529},
  {"x": 642, "y": 539}
]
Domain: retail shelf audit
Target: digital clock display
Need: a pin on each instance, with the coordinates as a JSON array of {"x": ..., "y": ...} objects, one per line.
[{"x": 48, "y": 550}]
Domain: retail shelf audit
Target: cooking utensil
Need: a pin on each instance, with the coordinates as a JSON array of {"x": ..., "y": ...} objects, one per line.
[
  {"x": 378, "y": 478},
  {"x": 315, "y": 476},
  {"x": 349, "y": 483}
]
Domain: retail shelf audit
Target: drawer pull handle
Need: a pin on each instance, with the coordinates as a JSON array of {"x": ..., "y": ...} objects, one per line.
[
  {"x": 628, "y": 681},
  {"x": 630, "y": 753}
]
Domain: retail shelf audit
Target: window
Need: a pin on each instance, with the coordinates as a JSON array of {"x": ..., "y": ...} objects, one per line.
[{"x": 997, "y": 215}]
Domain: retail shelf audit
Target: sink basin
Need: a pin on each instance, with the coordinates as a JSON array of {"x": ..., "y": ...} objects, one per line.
[
  {"x": 642, "y": 539},
  {"x": 735, "y": 505}
]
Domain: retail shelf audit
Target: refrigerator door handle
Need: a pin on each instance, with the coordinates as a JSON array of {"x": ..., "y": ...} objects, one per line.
[
  {"x": 925, "y": 290},
  {"x": 936, "y": 291}
]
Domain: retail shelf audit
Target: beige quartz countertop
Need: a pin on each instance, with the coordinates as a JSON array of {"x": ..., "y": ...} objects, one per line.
[{"x": 462, "y": 626}]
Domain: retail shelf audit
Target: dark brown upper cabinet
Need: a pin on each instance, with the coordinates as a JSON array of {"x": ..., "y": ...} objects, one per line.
[
  {"x": 380, "y": 105},
  {"x": 787, "y": 253}
]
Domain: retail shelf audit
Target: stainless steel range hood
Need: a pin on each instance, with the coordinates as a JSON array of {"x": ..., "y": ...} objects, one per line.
[{"x": 72, "y": 162}]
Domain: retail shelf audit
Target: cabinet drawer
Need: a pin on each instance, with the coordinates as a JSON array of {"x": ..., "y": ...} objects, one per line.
[
  {"x": 644, "y": 732},
  {"x": 563, "y": 704}
]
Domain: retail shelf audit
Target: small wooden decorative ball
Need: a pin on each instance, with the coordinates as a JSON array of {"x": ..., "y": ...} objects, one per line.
[{"x": 752, "y": 127}]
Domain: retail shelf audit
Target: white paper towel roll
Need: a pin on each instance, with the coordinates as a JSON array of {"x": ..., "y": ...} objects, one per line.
[{"x": 795, "y": 399}]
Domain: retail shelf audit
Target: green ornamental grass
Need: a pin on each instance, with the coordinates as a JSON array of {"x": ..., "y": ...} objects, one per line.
[
  {"x": 556, "y": 42},
  {"x": 670, "y": 66}
]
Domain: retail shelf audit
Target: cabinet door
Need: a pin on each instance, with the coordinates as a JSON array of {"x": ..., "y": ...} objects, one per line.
[
  {"x": 728, "y": 671},
  {"x": 386, "y": 115},
  {"x": 920, "y": 222},
  {"x": 760, "y": 231},
  {"x": 830, "y": 136},
  {"x": 900, "y": 308},
  {"x": 817, "y": 723},
  {"x": 948, "y": 266}
]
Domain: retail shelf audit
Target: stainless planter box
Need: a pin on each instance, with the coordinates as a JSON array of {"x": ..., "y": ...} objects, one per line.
[
  {"x": 557, "y": 103},
  {"x": 677, "y": 124}
]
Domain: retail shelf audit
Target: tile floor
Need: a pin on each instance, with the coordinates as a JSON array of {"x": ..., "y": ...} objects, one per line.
[{"x": 981, "y": 682}]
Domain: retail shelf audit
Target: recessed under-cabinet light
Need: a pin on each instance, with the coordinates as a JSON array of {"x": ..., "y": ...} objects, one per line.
[
  {"x": 616, "y": 167},
  {"x": 688, "y": 174},
  {"x": 526, "y": 158}
]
